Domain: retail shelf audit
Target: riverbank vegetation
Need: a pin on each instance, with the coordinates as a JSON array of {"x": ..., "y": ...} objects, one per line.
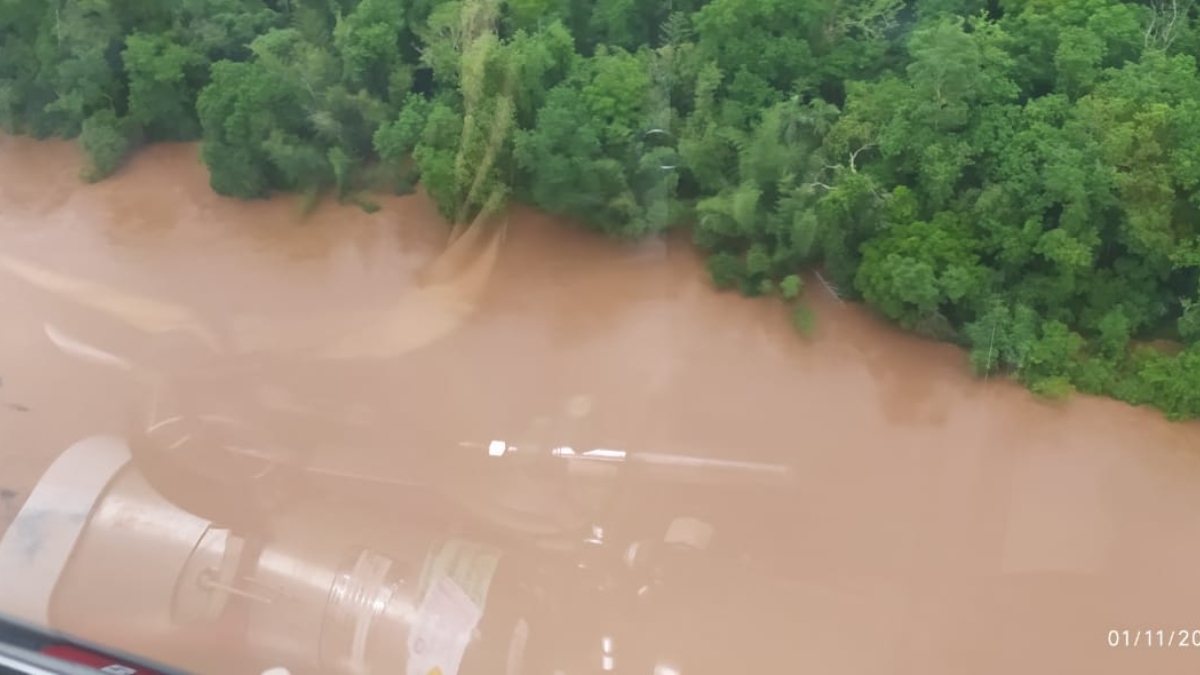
[{"x": 1021, "y": 177}]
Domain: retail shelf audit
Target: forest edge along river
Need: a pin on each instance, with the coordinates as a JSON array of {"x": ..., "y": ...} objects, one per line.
[{"x": 941, "y": 524}]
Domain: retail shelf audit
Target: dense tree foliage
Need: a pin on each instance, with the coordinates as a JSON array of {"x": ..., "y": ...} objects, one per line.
[{"x": 1018, "y": 176}]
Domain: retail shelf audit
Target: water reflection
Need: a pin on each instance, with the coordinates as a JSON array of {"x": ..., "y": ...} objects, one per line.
[
  {"x": 330, "y": 585},
  {"x": 939, "y": 525}
]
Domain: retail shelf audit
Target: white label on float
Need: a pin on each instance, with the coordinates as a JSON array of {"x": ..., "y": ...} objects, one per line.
[
  {"x": 471, "y": 565},
  {"x": 442, "y": 629}
]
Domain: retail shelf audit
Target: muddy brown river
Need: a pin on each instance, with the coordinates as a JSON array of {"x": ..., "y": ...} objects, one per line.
[{"x": 936, "y": 524}]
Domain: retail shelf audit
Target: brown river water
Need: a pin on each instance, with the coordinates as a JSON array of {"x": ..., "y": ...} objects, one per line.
[{"x": 935, "y": 524}]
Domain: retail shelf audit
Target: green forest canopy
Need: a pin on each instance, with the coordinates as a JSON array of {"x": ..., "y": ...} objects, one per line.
[{"x": 1021, "y": 177}]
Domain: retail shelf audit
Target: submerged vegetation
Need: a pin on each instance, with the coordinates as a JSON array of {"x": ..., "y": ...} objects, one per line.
[{"x": 1021, "y": 177}]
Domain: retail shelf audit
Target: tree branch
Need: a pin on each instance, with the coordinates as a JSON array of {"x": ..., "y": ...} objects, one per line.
[{"x": 854, "y": 156}]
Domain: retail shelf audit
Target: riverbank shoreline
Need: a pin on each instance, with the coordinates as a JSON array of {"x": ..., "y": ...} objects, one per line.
[{"x": 1049, "y": 394}]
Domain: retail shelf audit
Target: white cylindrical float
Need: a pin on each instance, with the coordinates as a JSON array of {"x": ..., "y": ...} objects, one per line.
[{"x": 97, "y": 552}]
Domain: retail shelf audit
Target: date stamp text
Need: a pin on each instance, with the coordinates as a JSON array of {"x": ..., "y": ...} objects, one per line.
[{"x": 1151, "y": 638}]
